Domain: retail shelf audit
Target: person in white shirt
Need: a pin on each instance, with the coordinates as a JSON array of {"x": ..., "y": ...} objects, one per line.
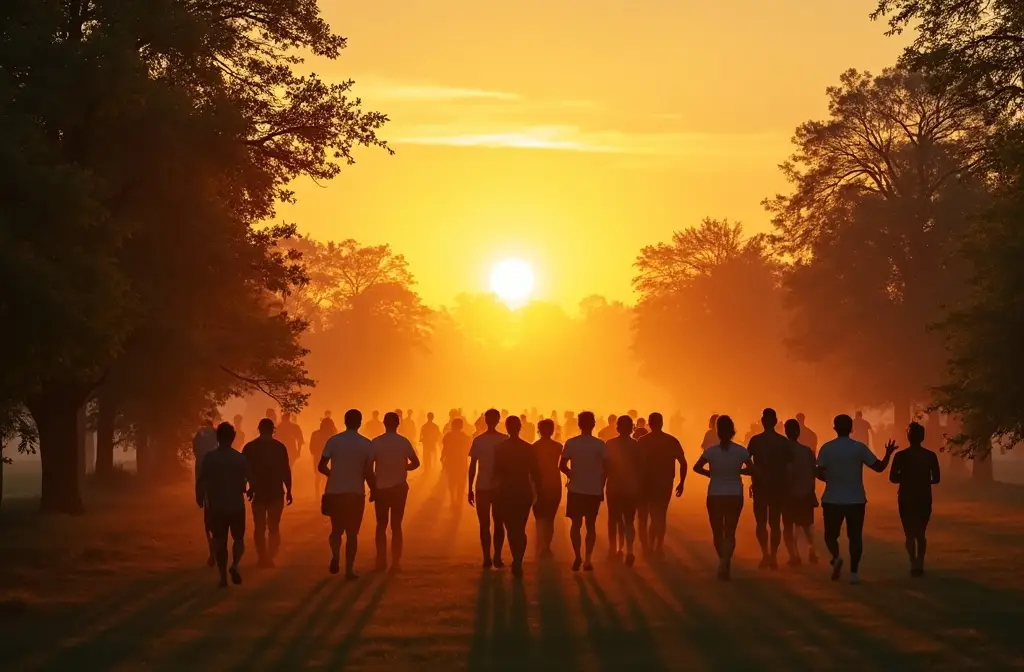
[
  {"x": 205, "y": 441},
  {"x": 347, "y": 462},
  {"x": 393, "y": 458},
  {"x": 724, "y": 464},
  {"x": 585, "y": 462},
  {"x": 483, "y": 489},
  {"x": 841, "y": 464}
]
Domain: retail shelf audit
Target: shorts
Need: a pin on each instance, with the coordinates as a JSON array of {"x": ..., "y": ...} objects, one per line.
[
  {"x": 578, "y": 505},
  {"x": 915, "y": 512},
  {"x": 546, "y": 506},
  {"x": 345, "y": 508},
  {"x": 799, "y": 510},
  {"x": 221, "y": 523},
  {"x": 621, "y": 504}
]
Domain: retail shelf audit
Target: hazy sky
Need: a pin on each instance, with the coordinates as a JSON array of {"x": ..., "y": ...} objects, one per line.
[{"x": 570, "y": 133}]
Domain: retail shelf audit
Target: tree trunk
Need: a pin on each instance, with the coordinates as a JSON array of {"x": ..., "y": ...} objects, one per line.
[
  {"x": 55, "y": 412},
  {"x": 983, "y": 471},
  {"x": 105, "y": 417}
]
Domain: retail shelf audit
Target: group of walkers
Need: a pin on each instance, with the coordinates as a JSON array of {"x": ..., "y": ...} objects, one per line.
[{"x": 506, "y": 476}]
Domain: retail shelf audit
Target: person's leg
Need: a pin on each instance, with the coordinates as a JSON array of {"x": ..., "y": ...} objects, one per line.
[
  {"x": 832, "y": 517},
  {"x": 334, "y": 540},
  {"x": 761, "y": 523},
  {"x": 211, "y": 559},
  {"x": 356, "y": 505},
  {"x": 274, "y": 512},
  {"x": 515, "y": 515},
  {"x": 629, "y": 530},
  {"x": 716, "y": 518},
  {"x": 922, "y": 541},
  {"x": 788, "y": 521},
  {"x": 397, "y": 516},
  {"x": 576, "y": 538},
  {"x": 614, "y": 523},
  {"x": 382, "y": 511},
  {"x": 499, "y": 534},
  {"x": 259, "y": 530},
  {"x": 731, "y": 518},
  {"x": 483, "y": 516},
  {"x": 855, "y": 534},
  {"x": 775, "y": 525},
  {"x": 659, "y": 519},
  {"x": 591, "y": 540},
  {"x": 909, "y": 533},
  {"x": 219, "y": 526},
  {"x": 237, "y": 526},
  {"x": 643, "y": 509}
]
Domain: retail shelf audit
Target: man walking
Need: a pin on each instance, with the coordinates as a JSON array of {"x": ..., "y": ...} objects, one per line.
[
  {"x": 801, "y": 500},
  {"x": 915, "y": 470},
  {"x": 584, "y": 462},
  {"x": 661, "y": 453},
  {"x": 430, "y": 436},
  {"x": 771, "y": 454},
  {"x": 204, "y": 442},
  {"x": 393, "y": 459},
  {"x": 220, "y": 489},
  {"x": 517, "y": 476},
  {"x": 290, "y": 434},
  {"x": 483, "y": 488},
  {"x": 549, "y": 491},
  {"x": 270, "y": 472},
  {"x": 625, "y": 472}
]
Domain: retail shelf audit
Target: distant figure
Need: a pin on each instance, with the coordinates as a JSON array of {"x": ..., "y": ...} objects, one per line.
[
  {"x": 327, "y": 414},
  {"x": 408, "y": 427},
  {"x": 430, "y": 436},
  {"x": 609, "y": 432},
  {"x": 481, "y": 458},
  {"x": 290, "y": 434},
  {"x": 801, "y": 501},
  {"x": 570, "y": 427},
  {"x": 374, "y": 427},
  {"x": 271, "y": 415},
  {"x": 862, "y": 430},
  {"x": 641, "y": 429},
  {"x": 529, "y": 432},
  {"x": 661, "y": 452},
  {"x": 626, "y": 469},
  {"x": 752, "y": 432},
  {"x": 393, "y": 459},
  {"x": 633, "y": 415},
  {"x": 558, "y": 428},
  {"x": 452, "y": 414},
  {"x": 205, "y": 441},
  {"x": 549, "y": 493},
  {"x": 270, "y": 478},
  {"x": 239, "y": 433},
  {"x": 480, "y": 426},
  {"x": 584, "y": 461},
  {"x": 454, "y": 461},
  {"x": 915, "y": 470},
  {"x": 317, "y": 441},
  {"x": 841, "y": 465},
  {"x": 771, "y": 454},
  {"x": 675, "y": 424},
  {"x": 807, "y": 437},
  {"x": 517, "y": 475},
  {"x": 347, "y": 462},
  {"x": 724, "y": 464},
  {"x": 710, "y": 436},
  {"x": 221, "y": 486}
]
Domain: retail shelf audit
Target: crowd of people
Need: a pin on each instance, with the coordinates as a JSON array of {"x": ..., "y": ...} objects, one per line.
[{"x": 631, "y": 465}]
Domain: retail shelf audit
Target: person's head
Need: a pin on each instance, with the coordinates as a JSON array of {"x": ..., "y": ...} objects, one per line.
[
  {"x": 266, "y": 427},
  {"x": 430, "y": 417},
  {"x": 327, "y": 414},
  {"x": 713, "y": 422},
  {"x": 353, "y": 419},
  {"x": 286, "y": 417},
  {"x": 655, "y": 422},
  {"x": 843, "y": 424},
  {"x": 611, "y": 420},
  {"x": 225, "y": 433},
  {"x": 546, "y": 428},
  {"x": 398, "y": 412},
  {"x": 208, "y": 421},
  {"x": 491, "y": 418},
  {"x": 586, "y": 422},
  {"x": 522, "y": 418},
  {"x": 801, "y": 418},
  {"x": 641, "y": 423},
  {"x": 408, "y": 413},
  {"x": 769, "y": 418},
  {"x": 391, "y": 421},
  {"x": 452, "y": 414},
  {"x": 915, "y": 433},
  {"x": 326, "y": 425},
  {"x": 237, "y": 421},
  {"x": 859, "y": 415},
  {"x": 725, "y": 428},
  {"x": 457, "y": 425},
  {"x": 513, "y": 425},
  {"x": 375, "y": 415},
  {"x": 504, "y": 413},
  {"x": 624, "y": 425},
  {"x": 271, "y": 413},
  {"x": 792, "y": 428},
  {"x": 633, "y": 415}
]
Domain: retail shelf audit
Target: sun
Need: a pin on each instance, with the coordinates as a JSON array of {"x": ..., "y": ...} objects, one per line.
[{"x": 512, "y": 280}]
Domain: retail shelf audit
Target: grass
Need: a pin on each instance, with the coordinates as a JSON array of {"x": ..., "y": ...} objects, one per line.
[{"x": 125, "y": 587}]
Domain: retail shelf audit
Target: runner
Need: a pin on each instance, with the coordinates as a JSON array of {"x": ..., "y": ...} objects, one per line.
[
  {"x": 221, "y": 486},
  {"x": 393, "y": 459},
  {"x": 430, "y": 435},
  {"x": 549, "y": 493},
  {"x": 771, "y": 454},
  {"x": 626, "y": 469},
  {"x": 317, "y": 441},
  {"x": 710, "y": 436},
  {"x": 374, "y": 427},
  {"x": 807, "y": 436},
  {"x": 517, "y": 476},
  {"x": 347, "y": 462},
  {"x": 584, "y": 462},
  {"x": 290, "y": 434},
  {"x": 454, "y": 459},
  {"x": 481, "y": 457},
  {"x": 841, "y": 465},
  {"x": 661, "y": 452},
  {"x": 862, "y": 429},
  {"x": 608, "y": 432},
  {"x": 270, "y": 472},
  {"x": 641, "y": 429},
  {"x": 915, "y": 470},
  {"x": 724, "y": 464},
  {"x": 801, "y": 502},
  {"x": 529, "y": 432}
]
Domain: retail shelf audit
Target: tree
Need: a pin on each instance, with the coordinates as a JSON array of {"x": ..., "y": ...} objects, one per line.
[{"x": 882, "y": 191}]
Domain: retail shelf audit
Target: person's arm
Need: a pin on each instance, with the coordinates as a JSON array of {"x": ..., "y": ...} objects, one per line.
[
  {"x": 748, "y": 468},
  {"x": 936, "y": 477},
  {"x": 681, "y": 458},
  {"x": 472, "y": 477},
  {"x": 701, "y": 467},
  {"x": 563, "y": 464},
  {"x": 286, "y": 471},
  {"x": 821, "y": 470},
  {"x": 370, "y": 477},
  {"x": 201, "y": 482},
  {"x": 325, "y": 459},
  {"x": 880, "y": 465},
  {"x": 413, "y": 462},
  {"x": 896, "y": 473}
]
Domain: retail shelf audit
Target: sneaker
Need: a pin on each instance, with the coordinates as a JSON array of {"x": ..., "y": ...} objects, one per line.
[
  {"x": 498, "y": 562},
  {"x": 335, "y": 567},
  {"x": 487, "y": 563},
  {"x": 211, "y": 561},
  {"x": 618, "y": 554},
  {"x": 396, "y": 567},
  {"x": 794, "y": 561},
  {"x": 837, "y": 568},
  {"x": 547, "y": 553},
  {"x": 576, "y": 564},
  {"x": 854, "y": 580},
  {"x": 517, "y": 569},
  {"x": 223, "y": 582},
  {"x": 630, "y": 560},
  {"x": 587, "y": 567},
  {"x": 236, "y": 578}
]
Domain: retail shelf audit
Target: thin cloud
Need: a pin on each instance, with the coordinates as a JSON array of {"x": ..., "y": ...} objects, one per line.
[{"x": 430, "y": 93}]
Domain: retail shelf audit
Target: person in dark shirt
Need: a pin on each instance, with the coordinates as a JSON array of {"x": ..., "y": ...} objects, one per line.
[
  {"x": 661, "y": 452},
  {"x": 517, "y": 476},
  {"x": 915, "y": 470},
  {"x": 290, "y": 434},
  {"x": 270, "y": 486},
  {"x": 771, "y": 454},
  {"x": 221, "y": 487},
  {"x": 547, "y": 452},
  {"x": 625, "y": 483}
]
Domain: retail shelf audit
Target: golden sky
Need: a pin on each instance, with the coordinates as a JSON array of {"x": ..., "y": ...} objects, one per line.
[{"x": 570, "y": 133}]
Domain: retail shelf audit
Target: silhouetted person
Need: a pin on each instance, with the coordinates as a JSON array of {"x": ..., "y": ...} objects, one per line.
[
  {"x": 205, "y": 441},
  {"x": 454, "y": 461},
  {"x": 239, "y": 433},
  {"x": 609, "y": 432},
  {"x": 570, "y": 426},
  {"x": 271, "y": 415},
  {"x": 724, "y": 464},
  {"x": 393, "y": 458},
  {"x": 771, "y": 454},
  {"x": 317, "y": 441},
  {"x": 915, "y": 470},
  {"x": 480, "y": 426},
  {"x": 549, "y": 492},
  {"x": 661, "y": 452},
  {"x": 801, "y": 500},
  {"x": 641, "y": 429},
  {"x": 270, "y": 486},
  {"x": 374, "y": 427},
  {"x": 841, "y": 465},
  {"x": 430, "y": 437},
  {"x": 290, "y": 434},
  {"x": 710, "y": 436},
  {"x": 452, "y": 414},
  {"x": 529, "y": 433},
  {"x": 585, "y": 462},
  {"x": 675, "y": 424},
  {"x": 624, "y": 489},
  {"x": 221, "y": 489},
  {"x": 517, "y": 475},
  {"x": 752, "y": 432},
  {"x": 558, "y": 428},
  {"x": 862, "y": 430},
  {"x": 408, "y": 427},
  {"x": 807, "y": 436},
  {"x": 347, "y": 462},
  {"x": 481, "y": 459}
]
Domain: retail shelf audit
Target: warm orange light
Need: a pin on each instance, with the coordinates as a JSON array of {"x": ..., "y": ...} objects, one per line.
[{"x": 512, "y": 281}]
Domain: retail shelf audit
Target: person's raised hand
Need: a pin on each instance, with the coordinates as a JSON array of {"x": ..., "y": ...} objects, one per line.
[
  {"x": 890, "y": 447},
  {"x": 249, "y": 495},
  {"x": 471, "y": 498}
]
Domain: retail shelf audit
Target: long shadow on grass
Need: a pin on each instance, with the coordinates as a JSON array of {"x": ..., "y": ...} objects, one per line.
[{"x": 501, "y": 636}]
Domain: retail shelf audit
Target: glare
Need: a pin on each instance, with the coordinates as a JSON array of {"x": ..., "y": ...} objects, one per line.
[{"x": 512, "y": 280}]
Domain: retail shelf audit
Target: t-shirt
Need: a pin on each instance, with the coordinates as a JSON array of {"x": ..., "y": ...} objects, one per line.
[
  {"x": 515, "y": 470},
  {"x": 350, "y": 455},
  {"x": 802, "y": 480},
  {"x": 455, "y": 450},
  {"x": 808, "y": 437},
  {"x": 710, "y": 439},
  {"x": 221, "y": 480},
  {"x": 725, "y": 465},
  {"x": 843, "y": 460},
  {"x": 529, "y": 432},
  {"x": 290, "y": 435},
  {"x": 626, "y": 467},
  {"x": 270, "y": 472},
  {"x": 771, "y": 454},
  {"x": 587, "y": 456},
  {"x": 661, "y": 451},
  {"x": 915, "y": 469},
  {"x": 640, "y": 432},
  {"x": 861, "y": 431},
  {"x": 374, "y": 428},
  {"x": 548, "y": 453},
  {"x": 607, "y": 433},
  {"x": 391, "y": 455},
  {"x": 483, "y": 450},
  {"x": 317, "y": 441},
  {"x": 429, "y": 434}
]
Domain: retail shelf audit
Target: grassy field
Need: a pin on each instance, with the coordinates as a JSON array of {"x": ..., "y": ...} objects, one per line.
[{"x": 125, "y": 587}]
